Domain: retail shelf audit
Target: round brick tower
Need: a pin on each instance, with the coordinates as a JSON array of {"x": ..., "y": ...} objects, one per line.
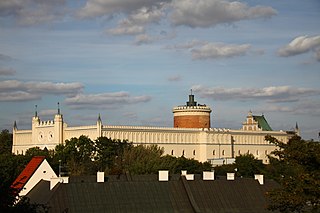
[{"x": 191, "y": 115}]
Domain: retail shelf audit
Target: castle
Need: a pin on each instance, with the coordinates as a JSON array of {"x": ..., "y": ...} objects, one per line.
[{"x": 192, "y": 135}]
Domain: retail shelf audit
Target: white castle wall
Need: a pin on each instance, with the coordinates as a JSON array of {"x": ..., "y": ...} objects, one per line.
[{"x": 201, "y": 144}]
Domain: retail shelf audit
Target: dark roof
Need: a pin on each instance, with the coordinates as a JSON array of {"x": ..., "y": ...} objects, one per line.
[
  {"x": 26, "y": 174},
  {"x": 149, "y": 195},
  {"x": 262, "y": 122}
]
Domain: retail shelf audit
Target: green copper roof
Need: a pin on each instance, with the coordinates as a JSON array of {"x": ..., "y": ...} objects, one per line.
[{"x": 262, "y": 123}]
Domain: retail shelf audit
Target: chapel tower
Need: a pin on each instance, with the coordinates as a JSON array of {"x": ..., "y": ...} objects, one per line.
[{"x": 191, "y": 115}]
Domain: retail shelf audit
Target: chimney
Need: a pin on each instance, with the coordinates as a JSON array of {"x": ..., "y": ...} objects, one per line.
[
  {"x": 259, "y": 178},
  {"x": 230, "y": 176},
  {"x": 163, "y": 175},
  {"x": 100, "y": 177},
  {"x": 208, "y": 175},
  {"x": 190, "y": 176}
]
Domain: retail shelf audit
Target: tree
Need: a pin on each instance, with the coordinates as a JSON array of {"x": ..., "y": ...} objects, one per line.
[
  {"x": 142, "y": 159},
  {"x": 244, "y": 166},
  {"x": 78, "y": 155},
  {"x": 10, "y": 167},
  {"x": 247, "y": 165},
  {"x": 108, "y": 151},
  {"x": 5, "y": 142},
  {"x": 296, "y": 166}
]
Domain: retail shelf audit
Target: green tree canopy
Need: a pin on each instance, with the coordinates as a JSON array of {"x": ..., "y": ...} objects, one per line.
[
  {"x": 5, "y": 142},
  {"x": 296, "y": 166}
]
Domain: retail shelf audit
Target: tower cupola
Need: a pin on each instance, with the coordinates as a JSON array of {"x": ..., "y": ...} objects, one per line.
[{"x": 191, "y": 115}]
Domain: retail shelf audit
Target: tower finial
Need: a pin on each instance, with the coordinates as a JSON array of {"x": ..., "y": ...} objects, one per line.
[
  {"x": 15, "y": 125},
  {"x": 36, "y": 111},
  {"x": 191, "y": 91},
  {"x": 58, "y": 108}
]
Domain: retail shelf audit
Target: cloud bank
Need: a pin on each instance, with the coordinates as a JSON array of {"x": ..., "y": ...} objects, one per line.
[
  {"x": 31, "y": 12},
  {"x": 7, "y": 71},
  {"x": 202, "y": 50},
  {"x": 104, "y": 100},
  {"x": 13, "y": 90},
  {"x": 208, "y": 13},
  {"x": 275, "y": 94},
  {"x": 300, "y": 45}
]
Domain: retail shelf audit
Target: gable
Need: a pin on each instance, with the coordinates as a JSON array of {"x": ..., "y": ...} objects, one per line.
[{"x": 37, "y": 169}]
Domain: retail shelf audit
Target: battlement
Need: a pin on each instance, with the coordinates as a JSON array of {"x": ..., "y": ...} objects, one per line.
[
  {"x": 192, "y": 108},
  {"x": 45, "y": 123}
]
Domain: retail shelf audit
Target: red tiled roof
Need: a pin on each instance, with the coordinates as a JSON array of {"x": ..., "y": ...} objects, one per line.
[{"x": 26, "y": 174}]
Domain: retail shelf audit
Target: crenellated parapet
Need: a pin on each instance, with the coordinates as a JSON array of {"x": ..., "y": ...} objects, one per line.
[{"x": 46, "y": 123}]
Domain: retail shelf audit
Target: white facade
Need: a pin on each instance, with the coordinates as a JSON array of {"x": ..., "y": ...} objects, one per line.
[{"x": 203, "y": 144}]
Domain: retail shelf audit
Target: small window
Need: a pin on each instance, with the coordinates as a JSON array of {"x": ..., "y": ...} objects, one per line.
[
  {"x": 223, "y": 152},
  {"x": 257, "y": 152},
  {"x": 214, "y": 152},
  {"x": 194, "y": 152},
  {"x": 172, "y": 152},
  {"x": 182, "y": 152},
  {"x": 266, "y": 152},
  {"x": 44, "y": 171},
  {"x": 239, "y": 152}
]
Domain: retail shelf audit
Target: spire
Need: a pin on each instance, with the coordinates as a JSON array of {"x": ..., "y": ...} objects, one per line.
[
  {"x": 99, "y": 118},
  {"x": 297, "y": 130},
  {"x": 58, "y": 108},
  {"x": 15, "y": 125},
  {"x": 36, "y": 111}
]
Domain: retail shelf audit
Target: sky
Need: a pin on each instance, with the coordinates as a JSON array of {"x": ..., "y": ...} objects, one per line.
[{"x": 132, "y": 61}]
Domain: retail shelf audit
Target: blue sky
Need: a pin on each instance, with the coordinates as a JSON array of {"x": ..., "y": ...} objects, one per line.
[{"x": 132, "y": 61}]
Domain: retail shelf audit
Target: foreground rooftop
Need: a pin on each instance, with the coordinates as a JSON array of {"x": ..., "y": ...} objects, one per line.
[{"x": 145, "y": 193}]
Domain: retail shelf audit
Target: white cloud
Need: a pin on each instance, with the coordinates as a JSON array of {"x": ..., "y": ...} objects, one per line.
[
  {"x": 306, "y": 107},
  {"x": 30, "y": 12},
  {"x": 274, "y": 94},
  {"x": 13, "y": 90},
  {"x": 126, "y": 29},
  {"x": 104, "y": 100},
  {"x": 188, "y": 45},
  {"x": 18, "y": 96},
  {"x": 301, "y": 44},
  {"x": 136, "y": 22},
  {"x": 219, "y": 50},
  {"x": 207, "y": 13},
  {"x": 96, "y": 8},
  {"x": 7, "y": 71}
]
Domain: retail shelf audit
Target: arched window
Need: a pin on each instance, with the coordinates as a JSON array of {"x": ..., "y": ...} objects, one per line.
[
  {"x": 214, "y": 152},
  {"x": 223, "y": 152},
  {"x": 257, "y": 152},
  {"x": 194, "y": 152},
  {"x": 172, "y": 152}
]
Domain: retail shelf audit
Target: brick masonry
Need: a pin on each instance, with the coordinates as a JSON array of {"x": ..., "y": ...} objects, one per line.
[{"x": 192, "y": 121}]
